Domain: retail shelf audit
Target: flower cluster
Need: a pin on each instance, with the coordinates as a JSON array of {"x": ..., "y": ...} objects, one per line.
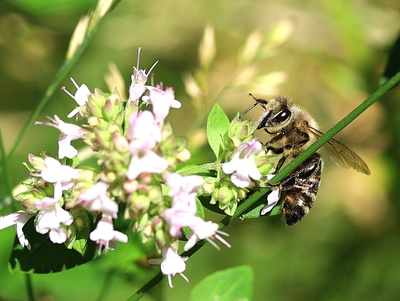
[
  {"x": 245, "y": 165},
  {"x": 135, "y": 177}
]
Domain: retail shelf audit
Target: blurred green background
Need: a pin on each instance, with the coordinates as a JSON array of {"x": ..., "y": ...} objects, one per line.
[{"x": 348, "y": 247}]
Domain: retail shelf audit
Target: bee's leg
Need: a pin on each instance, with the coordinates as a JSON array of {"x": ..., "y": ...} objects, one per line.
[
  {"x": 280, "y": 163},
  {"x": 276, "y": 151}
]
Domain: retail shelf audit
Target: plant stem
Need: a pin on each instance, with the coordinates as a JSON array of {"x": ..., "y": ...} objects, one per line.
[
  {"x": 29, "y": 287},
  {"x": 7, "y": 172}
]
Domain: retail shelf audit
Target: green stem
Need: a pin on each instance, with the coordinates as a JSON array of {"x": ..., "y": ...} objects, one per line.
[
  {"x": 29, "y": 287},
  {"x": 145, "y": 288}
]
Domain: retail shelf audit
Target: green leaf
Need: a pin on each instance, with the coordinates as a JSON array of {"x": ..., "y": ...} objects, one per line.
[
  {"x": 200, "y": 209},
  {"x": 231, "y": 284},
  {"x": 46, "y": 256},
  {"x": 217, "y": 126}
]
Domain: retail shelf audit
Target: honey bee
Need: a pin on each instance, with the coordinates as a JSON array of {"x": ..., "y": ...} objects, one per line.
[{"x": 293, "y": 130}]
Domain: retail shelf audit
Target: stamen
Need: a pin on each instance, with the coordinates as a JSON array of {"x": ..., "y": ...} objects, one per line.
[
  {"x": 213, "y": 243},
  {"x": 138, "y": 58},
  {"x": 170, "y": 281},
  {"x": 66, "y": 91},
  {"x": 223, "y": 241},
  {"x": 184, "y": 277},
  {"x": 152, "y": 67},
  {"x": 74, "y": 82}
]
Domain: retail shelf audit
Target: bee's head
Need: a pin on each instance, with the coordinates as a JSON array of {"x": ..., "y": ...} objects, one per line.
[{"x": 277, "y": 114}]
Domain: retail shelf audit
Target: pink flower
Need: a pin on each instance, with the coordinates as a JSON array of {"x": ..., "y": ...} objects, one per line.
[
  {"x": 81, "y": 96},
  {"x": 183, "y": 190},
  {"x": 105, "y": 235},
  {"x": 143, "y": 133},
  {"x": 18, "y": 219},
  {"x": 96, "y": 199},
  {"x": 242, "y": 166},
  {"x": 50, "y": 218},
  {"x": 68, "y": 133},
  {"x": 162, "y": 102},
  {"x": 178, "y": 217}
]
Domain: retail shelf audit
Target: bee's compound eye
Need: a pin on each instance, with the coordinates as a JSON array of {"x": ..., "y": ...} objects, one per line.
[{"x": 282, "y": 115}]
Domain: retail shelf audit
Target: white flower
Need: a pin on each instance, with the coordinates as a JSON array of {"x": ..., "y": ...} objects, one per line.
[
  {"x": 105, "y": 235},
  {"x": 183, "y": 190},
  {"x": 144, "y": 134},
  {"x": 50, "y": 218},
  {"x": 61, "y": 175},
  {"x": 17, "y": 219},
  {"x": 81, "y": 96},
  {"x": 139, "y": 79},
  {"x": 68, "y": 133},
  {"x": 96, "y": 199},
  {"x": 204, "y": 230},
  {"x": 242, "y": 166},
  {"x": 162, "y": 102},
  {"x": 171, "y": 264},
  {"x": 148, "y": 162}
]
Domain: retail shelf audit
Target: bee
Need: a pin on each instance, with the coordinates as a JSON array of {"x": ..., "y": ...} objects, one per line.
[{"x": 293, "y": 130}]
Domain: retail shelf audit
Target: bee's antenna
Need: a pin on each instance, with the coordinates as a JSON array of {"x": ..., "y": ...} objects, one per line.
[
  {"x": 252, "y": 96},
  {"x": 248, "y": 109},
  {"x": 260, "y": 102}
]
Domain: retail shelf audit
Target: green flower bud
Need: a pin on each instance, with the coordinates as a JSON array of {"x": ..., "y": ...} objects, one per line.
[
  {"x": 226, "y": 195},
  {"x": 241, "y": 130},
  {"x": 112, "y": 107},
  {"x": 140, "y": 201}
]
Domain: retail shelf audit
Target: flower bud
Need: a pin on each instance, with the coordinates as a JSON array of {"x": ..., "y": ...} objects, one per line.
[
  {"x": 36, "y": 162},
  {"x": 226, "y": 196},
  {"x": 112, "y": 107},
  {"x": 183, "y": 155},
  {"x": 121, "y": 144},
  {"x": 140, "y": 201}
]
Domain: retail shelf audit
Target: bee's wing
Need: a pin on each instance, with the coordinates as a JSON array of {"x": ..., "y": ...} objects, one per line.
[{"x": 342, "y": 155}]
